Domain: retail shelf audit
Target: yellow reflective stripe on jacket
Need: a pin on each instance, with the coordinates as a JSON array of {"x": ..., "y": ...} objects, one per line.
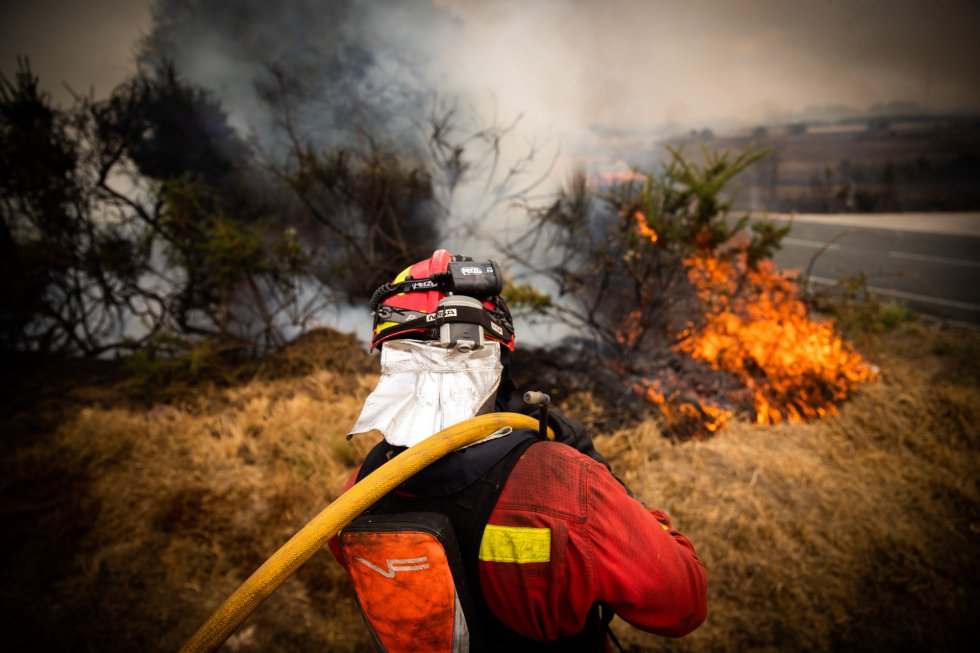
[{"x": 515, "y": 544}]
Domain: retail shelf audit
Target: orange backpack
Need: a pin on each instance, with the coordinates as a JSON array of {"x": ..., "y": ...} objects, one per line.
[{"x": 410, "y": 582}]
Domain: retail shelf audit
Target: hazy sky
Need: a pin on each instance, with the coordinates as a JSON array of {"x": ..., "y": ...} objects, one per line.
[
  {"x": 85, "y": 43},
  {"x": 635, "y": 62},
  {"x": 614, "y": 62}
]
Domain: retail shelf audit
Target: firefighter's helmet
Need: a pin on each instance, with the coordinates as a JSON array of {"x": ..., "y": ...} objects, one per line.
[{"x": 450, "y": 299}]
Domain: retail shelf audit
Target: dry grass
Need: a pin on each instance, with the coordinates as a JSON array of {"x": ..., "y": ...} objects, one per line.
[
  {"x": 131, "y": 525},
  {"x": 125, "y": 526},
  {"x": 857, "y": 532}
]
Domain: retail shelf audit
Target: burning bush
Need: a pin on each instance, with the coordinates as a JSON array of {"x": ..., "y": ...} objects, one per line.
[
  {"x": 755, "y": 328},
  {"x": 685, "y": 302}
]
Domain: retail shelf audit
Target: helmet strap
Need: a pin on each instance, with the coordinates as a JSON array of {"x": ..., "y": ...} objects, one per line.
[{"x": 449, "y": 315}]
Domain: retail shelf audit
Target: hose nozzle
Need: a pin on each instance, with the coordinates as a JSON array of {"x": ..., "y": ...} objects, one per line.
[{"x": 542, "y": 401}]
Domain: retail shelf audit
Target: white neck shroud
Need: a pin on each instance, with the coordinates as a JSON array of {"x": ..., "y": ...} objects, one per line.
[{"x": 425, "y": 388}]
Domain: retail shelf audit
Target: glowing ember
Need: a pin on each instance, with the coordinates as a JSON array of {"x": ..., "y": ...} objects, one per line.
[
  {"x": 756, "y": 328},
  {"x": 643, "y": 228},
  {"x": 629, "y": 334},
  {"x": 684, "y": 414}
]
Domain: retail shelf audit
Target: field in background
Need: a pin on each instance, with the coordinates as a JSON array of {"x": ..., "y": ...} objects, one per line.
[{"x": 126, "y": 523}]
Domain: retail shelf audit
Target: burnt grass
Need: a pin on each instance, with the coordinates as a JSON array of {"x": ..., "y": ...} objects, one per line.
[
  {"x": 606, "y": 394},
  {"x": 569, "y": 375},
  {"x": 129, "y": 516}
]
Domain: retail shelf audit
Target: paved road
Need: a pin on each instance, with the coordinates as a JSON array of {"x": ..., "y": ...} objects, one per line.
[{"x": 931, "y": 262}]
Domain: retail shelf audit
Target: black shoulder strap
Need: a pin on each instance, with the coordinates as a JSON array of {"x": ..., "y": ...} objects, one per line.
[
  {"x": 471, "y": 512},
  {"x": 468, "y": 510}
]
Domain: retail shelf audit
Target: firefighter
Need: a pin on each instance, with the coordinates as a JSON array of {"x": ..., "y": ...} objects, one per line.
[{"x": 549, "y": 543}]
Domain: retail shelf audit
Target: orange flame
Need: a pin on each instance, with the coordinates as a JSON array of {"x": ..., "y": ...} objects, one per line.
[
  {"x": 797, "y": 368},
  {"x": 643, "y": 228},
  {"x": 788, "y": 366},
  {"x": 684, "y": 414}
]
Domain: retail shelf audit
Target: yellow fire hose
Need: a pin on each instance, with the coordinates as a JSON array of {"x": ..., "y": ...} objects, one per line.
[{"x": 291, "y": 556}]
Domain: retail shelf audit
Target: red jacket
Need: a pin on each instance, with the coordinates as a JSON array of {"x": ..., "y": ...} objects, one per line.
[{"x": 564, "y": 534}]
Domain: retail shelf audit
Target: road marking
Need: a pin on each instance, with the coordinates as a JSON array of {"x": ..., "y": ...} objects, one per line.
[
  {"x": 816, "y": 244},
  {"x": 948, "y": 224},
  {"x": 934, "y": 259},
  {"x": 906, "y": 295}
]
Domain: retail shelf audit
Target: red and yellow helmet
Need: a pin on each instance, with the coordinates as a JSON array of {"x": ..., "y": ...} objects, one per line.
[{"x": 408, "y": 307}]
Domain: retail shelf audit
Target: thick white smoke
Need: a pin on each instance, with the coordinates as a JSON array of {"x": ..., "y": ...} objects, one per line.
[{"x": 570, "y": 69}]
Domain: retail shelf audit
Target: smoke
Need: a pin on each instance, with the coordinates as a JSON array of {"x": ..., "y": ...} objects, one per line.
[
  {"x": 603, "y": 79},
  {"x": 567, "y": 68},
  {"x": 565, "y": 75},
  {"x": 341, "y": 71},
  {"x": 565, "y": 65},
  {"x": 629, "y": 64}
]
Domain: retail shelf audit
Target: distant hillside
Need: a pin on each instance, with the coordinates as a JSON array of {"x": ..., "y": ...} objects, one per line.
[
  {"x": 859, "y": 165},
  {"x": 870, "y": 162}
]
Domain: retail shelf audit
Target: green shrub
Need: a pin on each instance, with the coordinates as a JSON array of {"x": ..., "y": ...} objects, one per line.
[{"x": 857, "y": 311}]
